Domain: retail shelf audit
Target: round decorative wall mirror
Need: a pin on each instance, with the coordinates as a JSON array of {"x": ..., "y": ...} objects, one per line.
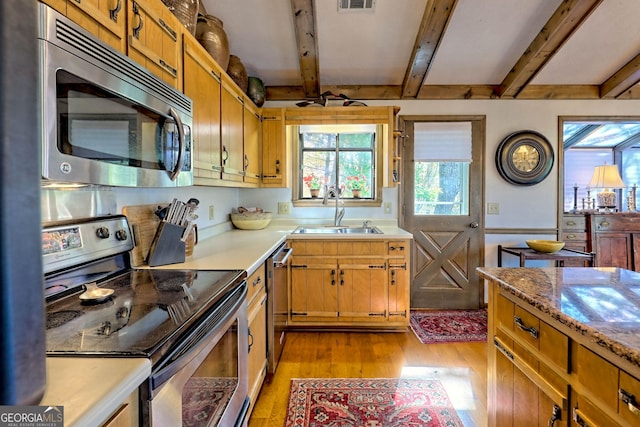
[{"x": 524, "y": 158}]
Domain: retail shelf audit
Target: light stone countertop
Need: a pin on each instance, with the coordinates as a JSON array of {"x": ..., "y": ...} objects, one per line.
[
  {"x": 248, "y": 249},
  {"x": 92, "y": 388},
  {"x": 600, "y": 304}
]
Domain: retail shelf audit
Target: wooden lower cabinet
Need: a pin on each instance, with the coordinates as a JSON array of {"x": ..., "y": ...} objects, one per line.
[
  {"x": 257, "y": 317},
  {"x": 541, "y": 374},
  {"x": 348, "y": 283}
]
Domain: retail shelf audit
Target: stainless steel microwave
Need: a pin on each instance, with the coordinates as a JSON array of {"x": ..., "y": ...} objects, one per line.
[{"x": 105, "y": 119}]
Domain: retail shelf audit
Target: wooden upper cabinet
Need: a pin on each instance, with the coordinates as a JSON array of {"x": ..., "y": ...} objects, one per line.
[
  {"x": 105, "y": 19},
  {"x": 154, "y": 38},
  {"x": 252, "y": 131},
  {"x": 274, "y": 148},
  {"x": 232, "y": 131},
  {"x": 203, "y": 85}
]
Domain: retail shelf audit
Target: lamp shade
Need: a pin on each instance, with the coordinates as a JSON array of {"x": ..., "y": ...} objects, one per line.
[{"x": 606, "y": 176}]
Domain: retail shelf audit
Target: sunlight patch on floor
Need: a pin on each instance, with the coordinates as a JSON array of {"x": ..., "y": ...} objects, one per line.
[{"x": 455, "y": 381}]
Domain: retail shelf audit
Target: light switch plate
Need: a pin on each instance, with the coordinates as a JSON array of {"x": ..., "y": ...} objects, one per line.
[
  {"x": 211, "y": 213},
  {"x": 493, "y": 208},
  {"x": 387, "y": 207},
  {"x": 283, "y": 208}
]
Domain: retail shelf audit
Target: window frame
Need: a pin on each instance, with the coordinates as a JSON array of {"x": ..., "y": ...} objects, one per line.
[{"x": 377, "y": 168}]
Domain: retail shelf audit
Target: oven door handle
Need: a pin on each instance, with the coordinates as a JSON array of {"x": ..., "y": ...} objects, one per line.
[
  {"x": 183, "y": 354},
  {"x": 181, "y": 145}
]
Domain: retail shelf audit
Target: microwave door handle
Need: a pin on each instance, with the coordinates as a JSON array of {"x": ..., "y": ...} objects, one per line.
[{"x": 181, "y": 144}]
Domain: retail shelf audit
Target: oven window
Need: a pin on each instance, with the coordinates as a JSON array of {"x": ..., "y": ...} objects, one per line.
[
  {"x": 98, "y": 125},
  {"x": 210, "y": 389}
]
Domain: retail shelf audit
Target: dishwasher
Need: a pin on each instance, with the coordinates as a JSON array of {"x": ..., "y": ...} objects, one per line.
[{"x": 277, "y": 267}]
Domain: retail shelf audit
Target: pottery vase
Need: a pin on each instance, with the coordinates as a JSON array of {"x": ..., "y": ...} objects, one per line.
[
  {"x": 186, "y": 11},
  {"x": 211, "y": 35},
  {"x": 238, "y": 73},
  {"x": 356, "y": 193},
  {"x": 315, "y": 192},
  {"x": 256, "y": 91}
]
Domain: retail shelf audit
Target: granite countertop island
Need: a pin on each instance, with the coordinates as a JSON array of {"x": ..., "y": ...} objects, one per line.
[{"x": 602, "y": 305}]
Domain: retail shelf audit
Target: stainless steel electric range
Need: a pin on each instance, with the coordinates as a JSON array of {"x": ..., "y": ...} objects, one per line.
[{"x": 191, "y": 324}]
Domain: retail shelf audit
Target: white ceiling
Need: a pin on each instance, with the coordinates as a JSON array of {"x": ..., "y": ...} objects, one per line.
[{"x": 482, "y": 41}]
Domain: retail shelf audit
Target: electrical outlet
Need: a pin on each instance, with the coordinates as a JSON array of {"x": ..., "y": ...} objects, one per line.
[
  {"x": 493, "y": 208},
  {"x": 283, "y": 208},
  {"x": 387, "y": 207},
  {"x": 211, "y": 213}
]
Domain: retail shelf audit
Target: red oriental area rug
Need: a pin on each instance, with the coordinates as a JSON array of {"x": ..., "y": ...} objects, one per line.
[
  {"x": 366, "y": 402},
  {"x": 204, "y": 400},
  {"x": 443, "y": 326}
]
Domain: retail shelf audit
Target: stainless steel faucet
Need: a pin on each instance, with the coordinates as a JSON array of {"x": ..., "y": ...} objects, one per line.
[{"x": 333, "y": 191}]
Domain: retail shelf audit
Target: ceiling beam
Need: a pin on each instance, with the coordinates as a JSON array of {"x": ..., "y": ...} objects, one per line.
[
  {"x": 563, "y": 23},
  {"x": 304, "y": 22},
  {"x": 382, "y": 92},
  {"x": 434, "y": 21},
  {"x": 623, "y": 80}
]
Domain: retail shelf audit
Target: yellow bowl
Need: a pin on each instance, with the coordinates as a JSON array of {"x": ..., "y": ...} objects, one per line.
[
  {"x": 546, "y": 246},
  {"x": 251, "y": 221}
]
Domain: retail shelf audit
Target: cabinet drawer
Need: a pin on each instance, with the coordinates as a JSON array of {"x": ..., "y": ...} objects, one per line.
[
  {"x": 630, "y": 388},
  {"x": 527, "y": 328},
  {"x": 574, "y": 222},
  {"x": 574, "y": 236},
  {"x": 616, "y": 223},
  {"x": 256, "y": 283},
  {"x": 400, "y": 247},
  {"x": 598, "y": 376}
]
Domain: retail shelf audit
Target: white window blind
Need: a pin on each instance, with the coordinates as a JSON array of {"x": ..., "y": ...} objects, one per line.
[{"x": 442, "y": 142}]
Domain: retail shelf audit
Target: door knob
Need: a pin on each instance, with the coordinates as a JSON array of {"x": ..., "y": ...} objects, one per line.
[{"x": 474, "y": 225}]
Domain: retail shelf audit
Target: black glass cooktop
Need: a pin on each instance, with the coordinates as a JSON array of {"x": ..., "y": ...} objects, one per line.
[{"x": 146, "y": 312}]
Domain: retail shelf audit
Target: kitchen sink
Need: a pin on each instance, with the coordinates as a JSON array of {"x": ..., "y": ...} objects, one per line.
[{"x": 330, "y": 229}]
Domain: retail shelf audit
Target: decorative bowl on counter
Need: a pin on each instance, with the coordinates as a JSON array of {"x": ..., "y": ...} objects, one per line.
[
  {"x": 546, "y": 246},
  {"x": 251, "y": 220}
]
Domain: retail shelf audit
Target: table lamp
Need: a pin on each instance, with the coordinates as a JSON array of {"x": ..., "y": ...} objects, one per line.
[{"x": 606, "y": 177}]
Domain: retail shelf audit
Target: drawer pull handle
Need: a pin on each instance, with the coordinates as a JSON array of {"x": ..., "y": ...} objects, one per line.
[
  {"x": 556, "y": 415},
  {"x": 532, "y": 331},
  {"x": 571, "y": 223},
  {"x": 257, "y": 281},
  {"x": 581, "y": 420},
  {"x": 604, "y": 224},
  {"x": 630, "y": 400},
  {"x": 571, "y": 236}
]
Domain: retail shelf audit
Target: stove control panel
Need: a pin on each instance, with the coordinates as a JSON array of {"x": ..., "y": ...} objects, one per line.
[{"x": 69, "y": 243}]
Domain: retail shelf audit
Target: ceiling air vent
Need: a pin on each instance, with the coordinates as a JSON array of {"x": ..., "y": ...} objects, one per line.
[{"x": 356, "y": 5}]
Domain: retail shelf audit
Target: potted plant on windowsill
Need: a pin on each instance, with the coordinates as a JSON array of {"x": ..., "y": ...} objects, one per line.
[
  {"x": 313, "y": 182},
  {"x": 356, "y": 184}
]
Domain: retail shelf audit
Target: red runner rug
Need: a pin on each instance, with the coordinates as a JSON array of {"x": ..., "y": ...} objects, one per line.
[
  {"x": 364, "y": 402},
  {"x": 443, "y": 326}
]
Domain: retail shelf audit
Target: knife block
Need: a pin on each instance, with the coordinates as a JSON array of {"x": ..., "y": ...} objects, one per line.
[{"x": 167, "y": 246}]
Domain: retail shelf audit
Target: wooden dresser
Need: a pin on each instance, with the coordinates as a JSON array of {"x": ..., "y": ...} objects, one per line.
[{"x": 613, "y": 237}]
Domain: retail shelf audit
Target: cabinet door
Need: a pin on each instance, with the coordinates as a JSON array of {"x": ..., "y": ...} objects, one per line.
[
  {"x": 613, "y": 249},
  {"x": 274, "y": 159},
  {"x": 105, "y": 19},
  {"x": 636, "y": 251},
  {"x": 314, "y": 288},
  {"x": 257, "y": 360},
  {"x": 202, "y": 85},
  {"x": 251, "y": 137},
  {"x": 398, "y": 291},
  {"x": 154, "y": 38},
  {"x": 362, "y": 285},
  {"x": 232, "y": 132}
]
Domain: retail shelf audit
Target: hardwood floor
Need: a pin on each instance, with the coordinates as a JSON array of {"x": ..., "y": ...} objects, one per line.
[{"x": 461, "y": 367}]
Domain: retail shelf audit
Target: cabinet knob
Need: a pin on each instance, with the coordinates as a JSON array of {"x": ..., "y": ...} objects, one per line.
[{"x": 474, "y": 224}]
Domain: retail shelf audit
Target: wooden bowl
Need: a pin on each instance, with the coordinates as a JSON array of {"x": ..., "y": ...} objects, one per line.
[
  {"x": 546, "y": 246},
  {"x": 251, "y": 220}
]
